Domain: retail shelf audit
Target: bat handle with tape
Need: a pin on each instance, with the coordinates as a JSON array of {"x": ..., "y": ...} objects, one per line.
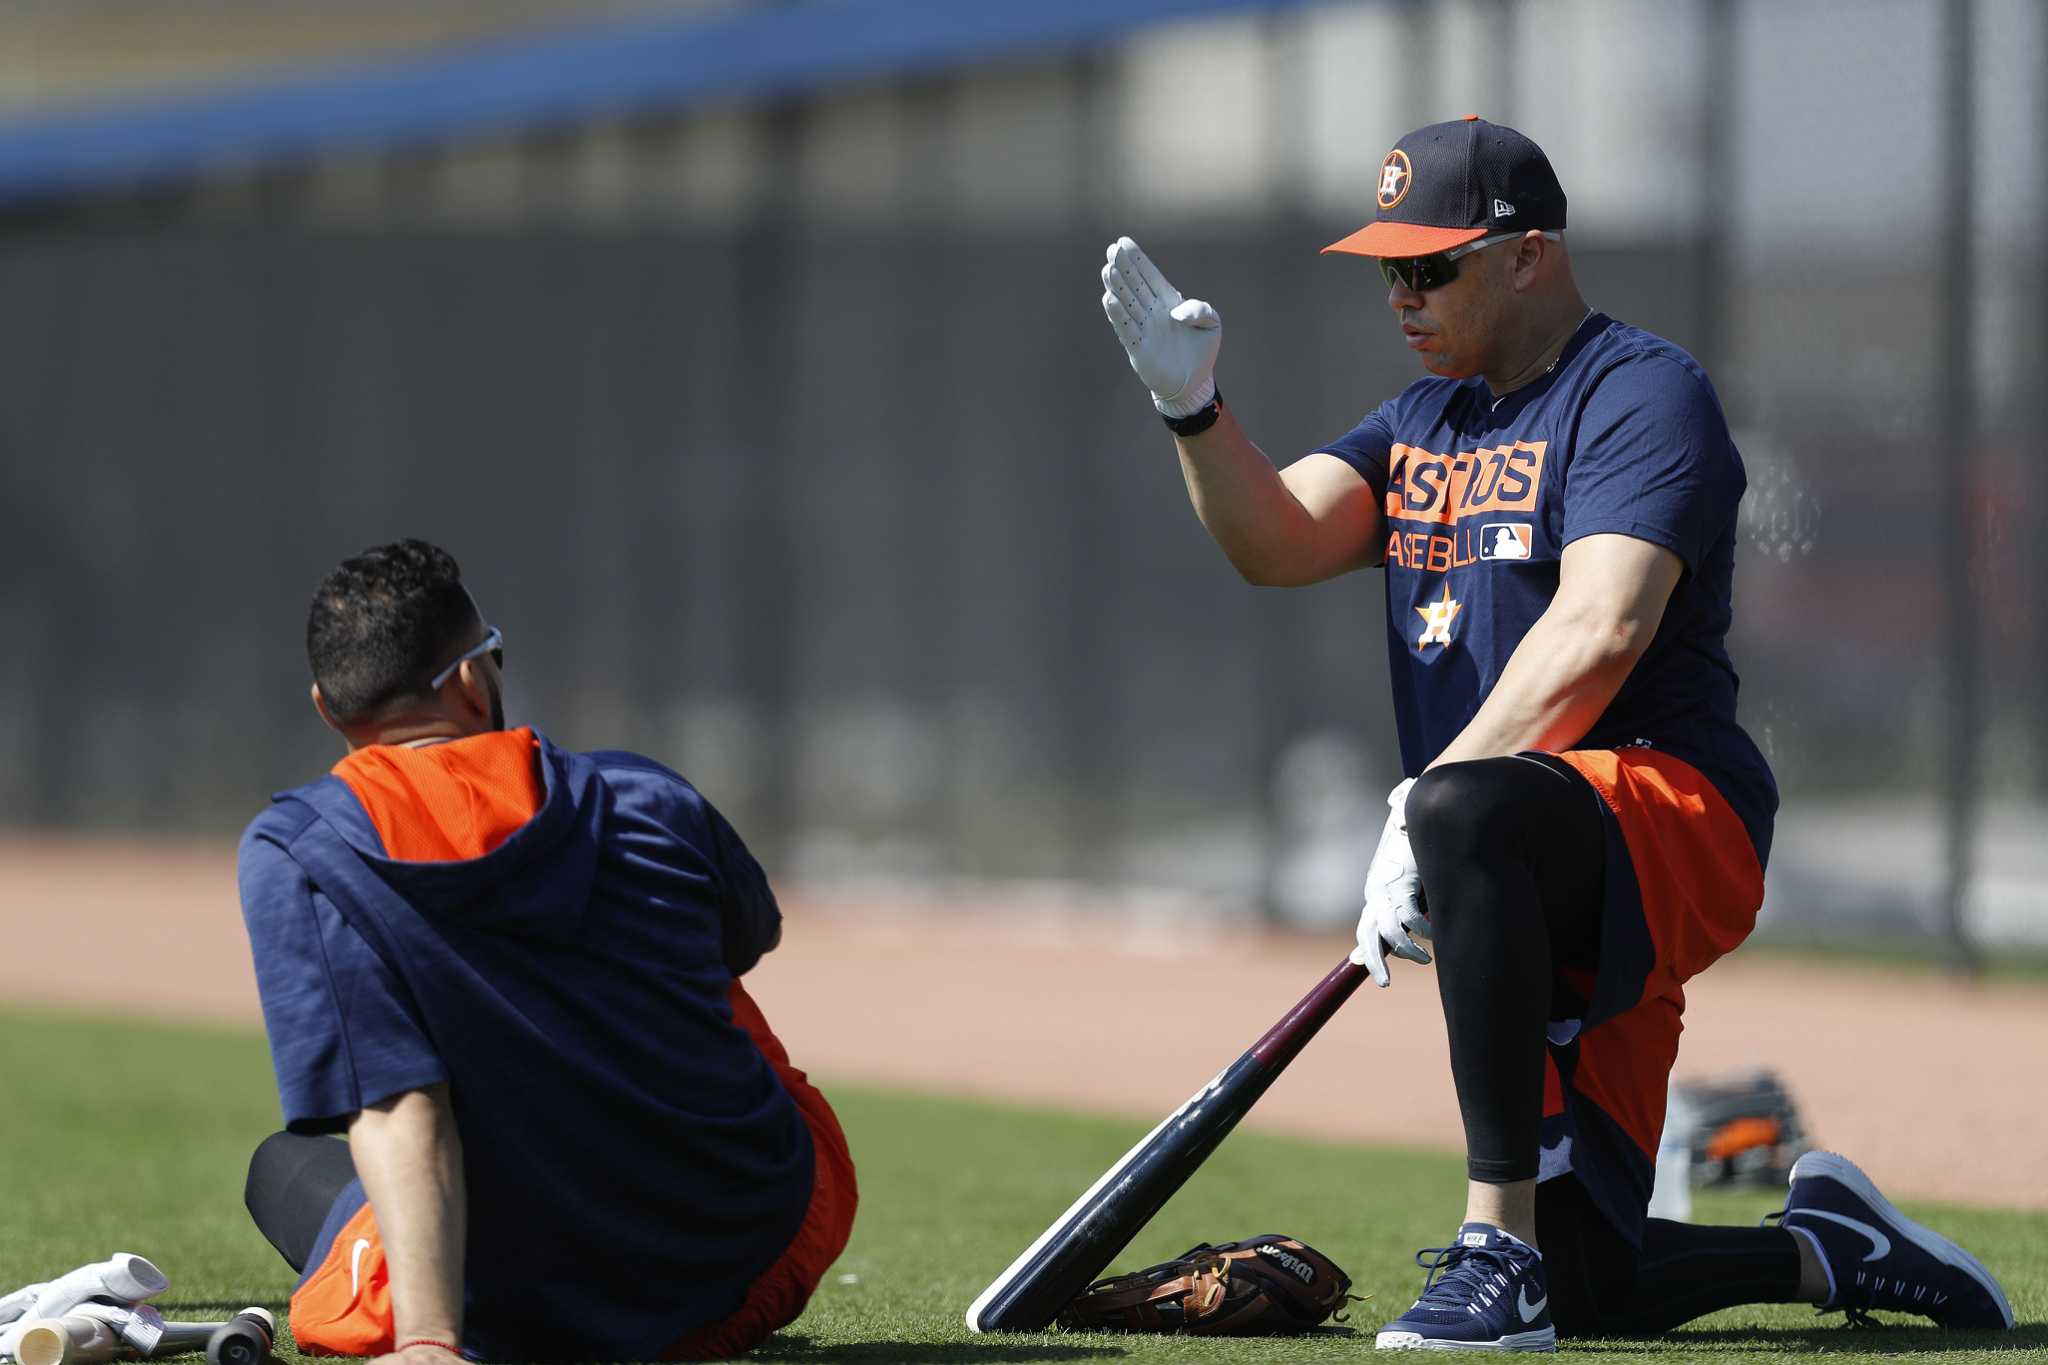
[{"x": 1283, "y": 1042}]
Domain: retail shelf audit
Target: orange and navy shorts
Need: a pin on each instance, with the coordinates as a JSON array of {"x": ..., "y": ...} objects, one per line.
[
  {"x": 1683, "y": 887},
  {"x": 342, "y": 1306}
]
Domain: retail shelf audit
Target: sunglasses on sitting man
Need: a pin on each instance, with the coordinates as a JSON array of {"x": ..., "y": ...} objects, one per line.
[
  {"x": 1424, "y": 273},
  {"x": 492, "y": 644}
]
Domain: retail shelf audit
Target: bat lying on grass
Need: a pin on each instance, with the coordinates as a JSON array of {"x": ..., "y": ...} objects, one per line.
[{"x": 86, "y": 1336}]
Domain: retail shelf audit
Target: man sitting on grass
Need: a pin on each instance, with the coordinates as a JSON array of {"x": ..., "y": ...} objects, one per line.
[{"x": 510, "y": 973}]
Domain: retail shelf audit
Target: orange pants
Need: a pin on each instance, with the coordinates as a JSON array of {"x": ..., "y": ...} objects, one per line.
[{"x": 344, "y": 1306}]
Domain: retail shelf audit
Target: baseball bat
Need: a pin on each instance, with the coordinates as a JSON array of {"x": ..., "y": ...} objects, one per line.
[
  {"x": 91, "y": 1334},
  {"x": 69, "y": 1340},
  {"x": 244, "y": 1339},
  {"x": 1068, "y": 1255}
]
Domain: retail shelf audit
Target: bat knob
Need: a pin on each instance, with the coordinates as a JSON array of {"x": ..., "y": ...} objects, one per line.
[
  {"x": 43, "y": 1343},
  {"x": 243, "y": 1339}
]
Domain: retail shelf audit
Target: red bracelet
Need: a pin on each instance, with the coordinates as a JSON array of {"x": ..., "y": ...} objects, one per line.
[{"x": 447, "y": 1346}]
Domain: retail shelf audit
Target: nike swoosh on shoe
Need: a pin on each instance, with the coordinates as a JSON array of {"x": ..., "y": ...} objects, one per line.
[{"x": 1880, "y": 1245}]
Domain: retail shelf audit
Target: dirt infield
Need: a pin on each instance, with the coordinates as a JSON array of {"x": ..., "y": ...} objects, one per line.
[{"x": 1935, "y": 1086}]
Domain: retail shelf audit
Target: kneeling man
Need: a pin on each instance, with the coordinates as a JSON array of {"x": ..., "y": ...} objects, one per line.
[{"x": 511, "y": 974}]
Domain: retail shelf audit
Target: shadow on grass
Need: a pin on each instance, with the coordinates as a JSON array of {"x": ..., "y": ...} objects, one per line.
[
  {"x": 793, "y": 1347},
  {"x": 1884, "y": 1340}
]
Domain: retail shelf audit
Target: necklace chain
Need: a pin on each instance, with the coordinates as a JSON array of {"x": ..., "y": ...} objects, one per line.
[
  {"x": 1553, "y": 360},
  {"x": 1567, "y": 341}
]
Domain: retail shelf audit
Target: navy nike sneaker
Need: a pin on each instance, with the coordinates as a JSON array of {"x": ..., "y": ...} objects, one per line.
[
  {"x": 1876, "y": 1257},
  {"x": 1485, "y": 1292}
]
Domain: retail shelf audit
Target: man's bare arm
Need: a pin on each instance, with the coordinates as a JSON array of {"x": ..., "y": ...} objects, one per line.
[
  {"x": 409, "y": 1156},
  {"x": 1611, "y": 594},
  {"x": 1280, "y": 528}
]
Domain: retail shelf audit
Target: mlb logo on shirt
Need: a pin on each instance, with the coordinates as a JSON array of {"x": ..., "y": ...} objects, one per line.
[{"x": 1505, "y": 540}]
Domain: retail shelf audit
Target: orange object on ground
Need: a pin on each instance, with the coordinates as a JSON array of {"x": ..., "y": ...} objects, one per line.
[{"x": 1741, "y": 1135}]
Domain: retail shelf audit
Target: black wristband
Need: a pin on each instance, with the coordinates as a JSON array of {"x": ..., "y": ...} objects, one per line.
[{"x": 1198, "y": 421}]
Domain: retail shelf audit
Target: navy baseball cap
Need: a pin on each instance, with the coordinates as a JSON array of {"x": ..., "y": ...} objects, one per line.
[{"x": 1452, "y": 183}]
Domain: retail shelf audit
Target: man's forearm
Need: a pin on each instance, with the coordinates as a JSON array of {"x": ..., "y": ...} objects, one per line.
[
  {"x": 1238, "y": 495},
  {"x": 1557, "y": 682},
  {"x": 409, "y": 1155},
  {"x": 1260, "y": 525},
  {"x": 1612, "y": 591}
]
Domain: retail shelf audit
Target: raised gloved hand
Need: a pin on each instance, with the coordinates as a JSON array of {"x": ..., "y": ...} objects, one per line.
[
  {"x": 1393, "y": 896},
  {"x": 1172, "y": 341}
]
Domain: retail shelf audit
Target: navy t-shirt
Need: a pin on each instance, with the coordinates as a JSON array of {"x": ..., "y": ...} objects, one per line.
[{"x": 1625, "y": 436}]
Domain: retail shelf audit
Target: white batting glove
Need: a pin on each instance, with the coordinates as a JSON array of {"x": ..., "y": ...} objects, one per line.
[
  {"x": 124, "y": 1276},
  {"x": 1172, "y": 341},
  {"x": 1393, "y": 896}
]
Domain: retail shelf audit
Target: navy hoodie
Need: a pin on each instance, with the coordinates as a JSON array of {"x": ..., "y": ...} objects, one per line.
[{"x": 632, "y": 1161}]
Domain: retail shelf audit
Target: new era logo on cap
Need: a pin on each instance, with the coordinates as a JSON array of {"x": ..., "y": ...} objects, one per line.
[{"x": 1455, "y": 182}]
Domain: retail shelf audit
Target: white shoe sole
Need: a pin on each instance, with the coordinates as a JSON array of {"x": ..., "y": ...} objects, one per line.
[
  {"x": 1850, "y": 1176},
  {"x": 1545, "y": 1340}
]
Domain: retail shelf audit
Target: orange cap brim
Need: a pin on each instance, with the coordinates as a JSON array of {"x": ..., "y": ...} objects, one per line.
[{"x": 1403, "y": 239}]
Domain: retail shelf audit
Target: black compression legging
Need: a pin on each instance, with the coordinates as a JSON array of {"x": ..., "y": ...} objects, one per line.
[
  {"x": 1513, "y": 854},
  {"x": 1600, "y": 1286},
  {"x": 293, "y": 1182}
]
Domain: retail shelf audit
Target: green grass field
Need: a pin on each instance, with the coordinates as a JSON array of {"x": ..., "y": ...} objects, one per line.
[{"x": 134, "y": 1137}]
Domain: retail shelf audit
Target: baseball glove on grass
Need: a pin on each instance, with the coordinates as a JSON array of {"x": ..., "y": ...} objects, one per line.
[{"x": 1263, "y": 1286}]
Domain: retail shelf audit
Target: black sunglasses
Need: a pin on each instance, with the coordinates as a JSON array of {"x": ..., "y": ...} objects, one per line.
[{"x": 1424, "y": 273}]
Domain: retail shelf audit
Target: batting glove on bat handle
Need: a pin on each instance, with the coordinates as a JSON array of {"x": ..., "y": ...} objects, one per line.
[
  {"x": 1171, "y": 341},
  {"x": 1393, "y": 896}
]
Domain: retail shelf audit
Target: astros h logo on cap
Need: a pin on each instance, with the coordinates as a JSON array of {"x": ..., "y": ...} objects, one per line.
[
  {"x": 1395, "y": 176},
  {"x": 1455, "y": 182}
]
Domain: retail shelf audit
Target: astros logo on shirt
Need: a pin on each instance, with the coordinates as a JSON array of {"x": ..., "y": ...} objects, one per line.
[{"x": 1436, "y": 620}]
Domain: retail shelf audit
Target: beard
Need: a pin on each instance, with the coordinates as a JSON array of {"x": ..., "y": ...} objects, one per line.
[{"x": 497, "y": 707}]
